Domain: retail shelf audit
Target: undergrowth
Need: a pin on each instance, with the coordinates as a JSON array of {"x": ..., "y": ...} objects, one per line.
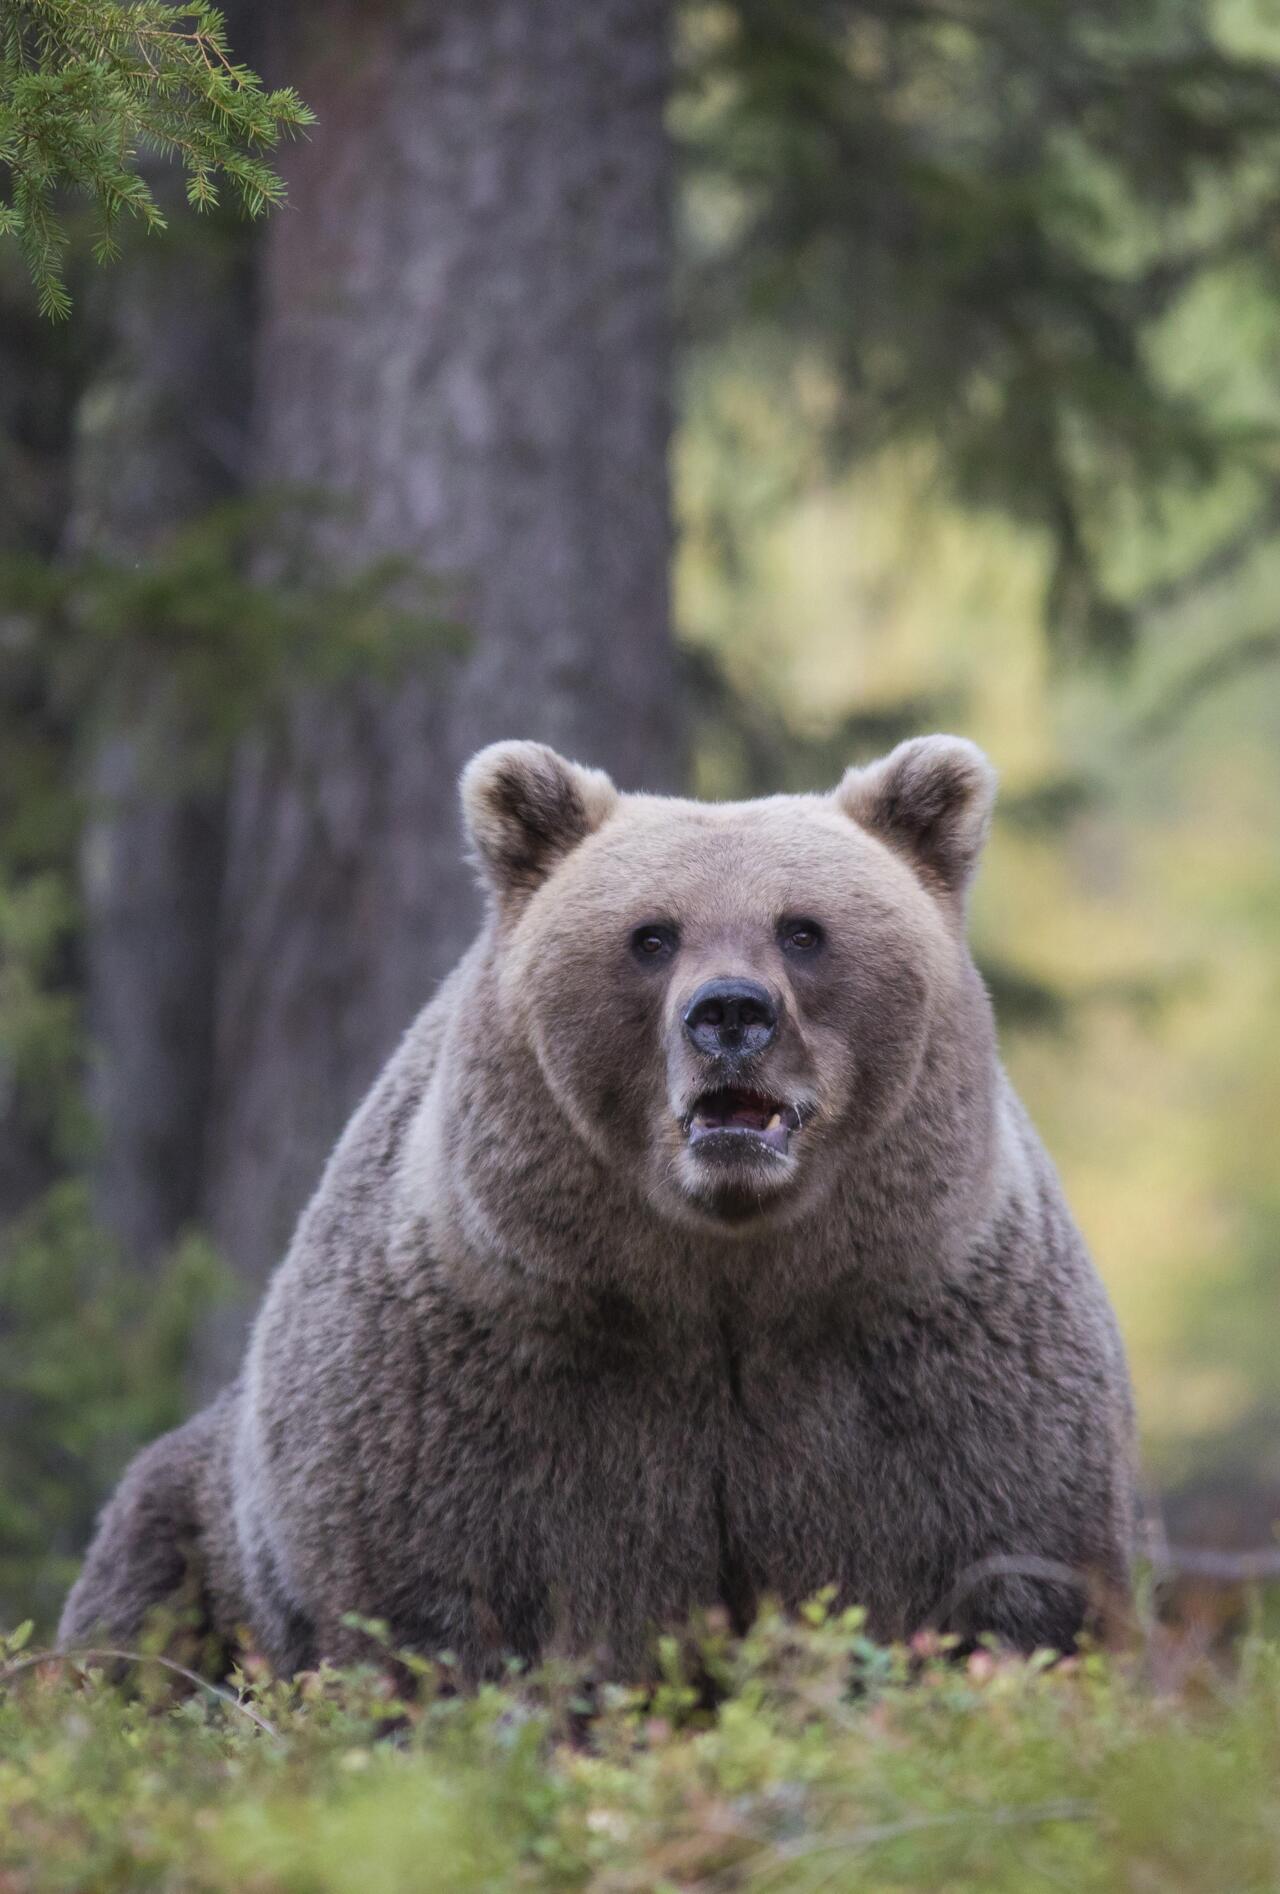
[{"x": 802, "y": 1757}]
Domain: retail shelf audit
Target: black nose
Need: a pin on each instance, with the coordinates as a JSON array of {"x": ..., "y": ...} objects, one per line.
[{"x": 733, "y": 1016}]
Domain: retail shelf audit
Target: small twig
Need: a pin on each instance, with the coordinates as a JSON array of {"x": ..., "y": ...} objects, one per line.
[
  {"x": 1167, "y": 1561},
  {"x": 88, "y": 1653},
  {"x": 1009, "y": 1565},
  {"x": 1068, "y": 1809},
  {"x": 204, "y": 42},
  {"x": 1222, "y": 1568}
]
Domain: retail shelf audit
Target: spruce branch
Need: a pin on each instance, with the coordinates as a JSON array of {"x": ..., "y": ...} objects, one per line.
[{"x": 86, "y": 85}]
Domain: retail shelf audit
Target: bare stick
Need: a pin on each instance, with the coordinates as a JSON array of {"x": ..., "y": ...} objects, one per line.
[{"x": 87, "y": 1654}]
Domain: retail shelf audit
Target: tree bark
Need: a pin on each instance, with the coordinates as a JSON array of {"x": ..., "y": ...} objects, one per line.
[
  {"x": 160, "y": 437},
  {"x": 465, "y": 329}
]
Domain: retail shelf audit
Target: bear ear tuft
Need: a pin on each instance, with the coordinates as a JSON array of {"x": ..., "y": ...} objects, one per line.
[
  {"x": 525, "y": 808},
  {"x": 930, "y": 799}
]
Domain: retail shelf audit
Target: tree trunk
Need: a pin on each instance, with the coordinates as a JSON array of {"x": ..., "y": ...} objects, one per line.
[
  {"x": 161, "y": 436},
  {"x": 465, "y": 328}
]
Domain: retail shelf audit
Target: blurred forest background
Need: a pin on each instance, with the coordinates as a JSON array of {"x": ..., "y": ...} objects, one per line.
[{"x": 719, "y": 392}]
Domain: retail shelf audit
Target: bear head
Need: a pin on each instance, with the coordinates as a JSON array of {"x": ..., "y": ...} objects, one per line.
[{"x": 730, "y": 1002}]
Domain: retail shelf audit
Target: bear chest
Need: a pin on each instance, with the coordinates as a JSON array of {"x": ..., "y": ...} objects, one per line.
[{"x": 566, "y": 1506}]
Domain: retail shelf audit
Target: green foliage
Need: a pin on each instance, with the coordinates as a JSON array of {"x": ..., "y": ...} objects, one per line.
[
  {"x": 39, "y": 1048},
  {"x": 92, "y": 1354},
  {"x": 972, "y": 223},
  {"x": 231, "y": 614},
  {"x": 826, "y": 1762},
  {"x": 85, "y": 85}
]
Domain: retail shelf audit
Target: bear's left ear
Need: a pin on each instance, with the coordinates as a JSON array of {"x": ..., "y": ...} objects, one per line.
[
  {"x": 525, "y": 808},
  {"x": 930, "y": 799}
]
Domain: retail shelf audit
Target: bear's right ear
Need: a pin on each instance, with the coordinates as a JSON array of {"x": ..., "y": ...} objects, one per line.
[{"x": 525, "y": 808}]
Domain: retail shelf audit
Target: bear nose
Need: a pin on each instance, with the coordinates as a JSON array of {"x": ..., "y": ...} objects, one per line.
[{"x": 730, "y": 1016}]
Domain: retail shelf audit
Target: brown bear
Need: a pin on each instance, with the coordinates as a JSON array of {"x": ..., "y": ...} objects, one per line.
[{"x": 692, "y": 1249}]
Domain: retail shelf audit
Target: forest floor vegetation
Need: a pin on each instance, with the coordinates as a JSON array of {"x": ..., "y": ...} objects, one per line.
[{"x": 801, "y": 1757}]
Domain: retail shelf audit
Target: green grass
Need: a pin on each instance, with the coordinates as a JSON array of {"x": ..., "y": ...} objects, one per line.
[{"x": 826, "y": 1763}]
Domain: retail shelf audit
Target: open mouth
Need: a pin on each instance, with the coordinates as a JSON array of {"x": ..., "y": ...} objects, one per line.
[{"x": 729, "y": 1121}]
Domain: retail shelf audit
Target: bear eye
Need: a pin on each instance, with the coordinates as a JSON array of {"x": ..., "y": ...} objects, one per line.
[
  {"x": 654, "y": 941},
  {"x": 800, "y": 936}
]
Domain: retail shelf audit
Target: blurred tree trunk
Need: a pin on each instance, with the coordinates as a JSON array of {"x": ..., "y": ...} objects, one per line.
[
  {"x": 160, "y": 436},
  {"x": 465, "y": 328}
]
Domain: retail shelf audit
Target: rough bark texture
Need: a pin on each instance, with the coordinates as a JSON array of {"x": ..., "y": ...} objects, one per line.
[
  {"x": 465, "y": 329},
  {"x": 161, "y": 436}
]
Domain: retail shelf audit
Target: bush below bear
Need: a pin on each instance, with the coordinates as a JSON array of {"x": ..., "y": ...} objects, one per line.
[{"x": 691, "y": 1249}]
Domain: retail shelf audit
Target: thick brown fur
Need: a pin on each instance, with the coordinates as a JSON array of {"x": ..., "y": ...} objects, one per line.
[{"x": 536, "y": 1377}]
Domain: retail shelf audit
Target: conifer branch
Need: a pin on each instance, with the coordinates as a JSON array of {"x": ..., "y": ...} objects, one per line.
[{"x": 85, "y": 85}]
